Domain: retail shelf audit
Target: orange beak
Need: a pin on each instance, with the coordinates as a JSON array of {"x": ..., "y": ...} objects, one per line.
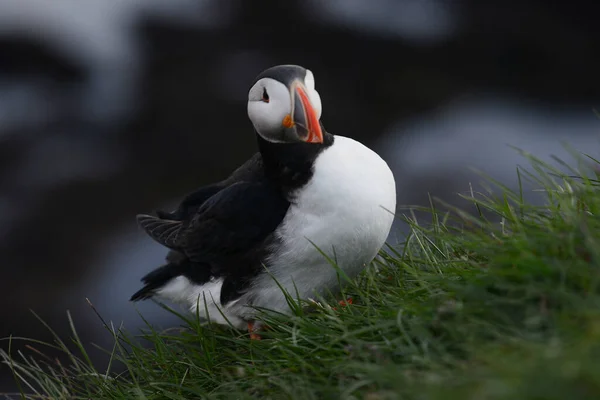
[{"x": 305, "y": 117}]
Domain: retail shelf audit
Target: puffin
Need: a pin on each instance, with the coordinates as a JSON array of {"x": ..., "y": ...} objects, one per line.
[{"x": 305, "y": 200}]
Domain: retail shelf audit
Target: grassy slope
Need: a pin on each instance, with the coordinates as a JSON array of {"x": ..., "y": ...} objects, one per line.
[{"x": 483, "y": 310}]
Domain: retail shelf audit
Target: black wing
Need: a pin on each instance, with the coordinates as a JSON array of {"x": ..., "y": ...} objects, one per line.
[
  {"x": 190, "y": 203},
  {"x": 164, "y": 231},
  {"x": 232, "y": 222},
  {"x": 251, "y": 170}
]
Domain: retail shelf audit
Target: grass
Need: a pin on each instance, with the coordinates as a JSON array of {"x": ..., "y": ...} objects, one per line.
[{"x": 500, "y": 303}]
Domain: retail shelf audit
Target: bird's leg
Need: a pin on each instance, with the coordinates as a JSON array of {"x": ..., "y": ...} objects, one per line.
[
  {"x": 344, "y": 303},
  {"x": 252, "y": 328}
]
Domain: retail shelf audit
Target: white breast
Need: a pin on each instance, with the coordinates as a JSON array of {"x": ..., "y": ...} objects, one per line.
[{"x": 346, "y": 210}]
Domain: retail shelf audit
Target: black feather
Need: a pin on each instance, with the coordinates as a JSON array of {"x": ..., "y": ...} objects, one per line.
[
  {"x": 178, "y": 265},
  {"x": 155, "y": 280},
  {"x": 164, "y": 231}
]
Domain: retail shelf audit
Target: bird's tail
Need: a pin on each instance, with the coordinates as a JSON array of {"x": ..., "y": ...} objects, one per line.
[{"x": 156, "y": 280}]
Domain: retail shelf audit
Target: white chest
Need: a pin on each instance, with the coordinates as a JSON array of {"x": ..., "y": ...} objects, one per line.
[{"x": 346, "y": 210}]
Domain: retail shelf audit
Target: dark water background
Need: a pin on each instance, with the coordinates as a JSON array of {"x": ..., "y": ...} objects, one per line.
[{"x": 110, "y": 107}]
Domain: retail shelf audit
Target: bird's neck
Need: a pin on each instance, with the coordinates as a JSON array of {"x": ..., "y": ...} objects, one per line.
[{"x": 290, "y": 165}]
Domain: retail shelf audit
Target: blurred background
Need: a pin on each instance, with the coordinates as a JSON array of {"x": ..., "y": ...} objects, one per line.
[{"x": 110, "y": 108}]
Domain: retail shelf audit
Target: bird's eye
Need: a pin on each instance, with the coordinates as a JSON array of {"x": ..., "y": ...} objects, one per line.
[{"x": 265, "y": 96}]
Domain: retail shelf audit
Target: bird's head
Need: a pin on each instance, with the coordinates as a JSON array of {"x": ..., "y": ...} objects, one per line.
[{"x": 284, "y": 106}]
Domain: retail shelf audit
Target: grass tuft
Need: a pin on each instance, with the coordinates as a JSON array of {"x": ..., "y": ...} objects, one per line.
[{"x": 501, "y": 302}]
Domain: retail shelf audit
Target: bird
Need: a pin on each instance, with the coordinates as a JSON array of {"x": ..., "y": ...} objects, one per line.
[{"x": 306, "y": 199}]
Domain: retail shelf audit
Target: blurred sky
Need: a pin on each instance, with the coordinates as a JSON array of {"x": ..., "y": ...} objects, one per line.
[{"x": 110, "y": 108}]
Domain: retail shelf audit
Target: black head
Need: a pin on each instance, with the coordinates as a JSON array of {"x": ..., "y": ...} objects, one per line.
[
  {"x": 284, "y": 106},
  {"x": 285, "y": 74}
]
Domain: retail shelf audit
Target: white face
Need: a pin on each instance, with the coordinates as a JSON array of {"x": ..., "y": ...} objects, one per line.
[{"x": 270, "y": 101}]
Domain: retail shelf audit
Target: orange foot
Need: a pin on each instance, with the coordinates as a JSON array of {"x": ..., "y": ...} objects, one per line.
[
  {"x": 251, "y": 329},
  {"x": 344, "y": 303}
]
